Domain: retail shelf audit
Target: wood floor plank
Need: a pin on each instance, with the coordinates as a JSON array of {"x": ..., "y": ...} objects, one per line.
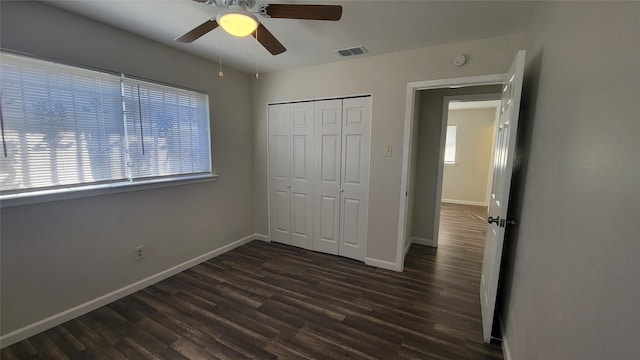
[
  {"x": 285, "y": 352},
  {"x": 147, "y": 341},
  {"x": 357, "y": 340},
  {"x": 171, "y": 354},
  {"x": 110, "y": 352},
  {"x": 8, "y": 354},
  {"x": 158, "y": 331},
  {"x": 85, "y": 335},
  {"x": 132, "y": 350},
  {"x": 192, "y": 351},
  {"x": 272, "y": 301},
  {"x": 186, "y": 329}
]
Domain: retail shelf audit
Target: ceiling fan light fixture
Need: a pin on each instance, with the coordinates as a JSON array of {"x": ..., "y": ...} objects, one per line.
[{"x": 237, "y": 21}]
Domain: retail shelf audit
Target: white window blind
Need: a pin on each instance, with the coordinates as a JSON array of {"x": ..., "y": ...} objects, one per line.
[
  {"x": 450, "y": 145},
  {"x": 64, "y": 127},
  {"x": 167, "y": 130},
  {"x": 61, "y": 125}
]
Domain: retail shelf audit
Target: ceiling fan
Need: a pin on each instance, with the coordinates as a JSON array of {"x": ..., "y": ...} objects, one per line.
[{"x": 238, "y": 19}]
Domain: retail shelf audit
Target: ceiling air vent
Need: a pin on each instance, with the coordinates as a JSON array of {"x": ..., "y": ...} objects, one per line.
[{"x": 358, "y": 50}]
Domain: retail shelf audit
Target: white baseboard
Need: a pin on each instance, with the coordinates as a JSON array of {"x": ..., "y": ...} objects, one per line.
[
  {"x": 57, "y": 319},
  {"x": 506, "y": 353},
  {"x": 406, "y": 249},
  {"x": 382, "y": 264},
  {"x": 421, "y": 241},
  {"x": 464, "y": 202},
  {"x": 261, "y": 237}
]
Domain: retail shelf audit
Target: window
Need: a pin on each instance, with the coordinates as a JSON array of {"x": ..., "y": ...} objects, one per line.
[
  {"x": 450, "y": 145},
  {"x": 167, "y": 130},
  {"x": 64, "y": 127}
]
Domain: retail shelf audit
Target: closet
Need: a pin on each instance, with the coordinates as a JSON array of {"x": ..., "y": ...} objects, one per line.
[{"x": 319, "y": 174}]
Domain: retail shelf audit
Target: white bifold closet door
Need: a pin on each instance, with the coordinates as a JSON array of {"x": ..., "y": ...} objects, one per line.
[
  {"x": 328, "y": 147},
  {"x": 291, "y": 173},
  {"x": 354, "y": 194},
  {"x": 319, "y": 174},
  {"x": 342, "y": 150}
]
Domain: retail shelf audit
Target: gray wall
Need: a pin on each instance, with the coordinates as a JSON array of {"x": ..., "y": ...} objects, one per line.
[
  {"x": 572, "y": 271},
  {"x": 428, "y": 159},
  {"x": 466, "y": 181},
  {"x": 57, "y": 255},
  {"x": 386, "y": 77}
]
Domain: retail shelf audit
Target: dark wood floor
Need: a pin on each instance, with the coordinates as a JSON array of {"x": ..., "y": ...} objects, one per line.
[{"x": 267, "y": 301}]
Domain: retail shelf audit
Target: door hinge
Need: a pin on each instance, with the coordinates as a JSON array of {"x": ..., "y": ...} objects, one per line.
[{"x": 504, "y": 222}]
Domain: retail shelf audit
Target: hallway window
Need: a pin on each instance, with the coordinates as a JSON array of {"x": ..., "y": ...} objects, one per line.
[{"x": 450, "y": 147}]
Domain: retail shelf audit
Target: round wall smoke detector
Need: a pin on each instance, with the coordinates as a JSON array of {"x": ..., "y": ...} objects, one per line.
[{"x": 459, "y": 60}]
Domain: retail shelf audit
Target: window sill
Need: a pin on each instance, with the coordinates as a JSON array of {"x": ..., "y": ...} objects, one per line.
[
  {"x": 450, "y": 164},
  {"x": 13, "y": 200}
]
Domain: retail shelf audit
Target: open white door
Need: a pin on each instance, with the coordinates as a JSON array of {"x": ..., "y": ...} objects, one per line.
[{"x": 498, "y": 203}]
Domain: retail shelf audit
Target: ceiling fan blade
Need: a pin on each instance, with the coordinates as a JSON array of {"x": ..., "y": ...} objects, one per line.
[
  {"x": 306, "y": 12},
  {"x": 269, "y": 41},
  {"x": 198, "y": 31}
]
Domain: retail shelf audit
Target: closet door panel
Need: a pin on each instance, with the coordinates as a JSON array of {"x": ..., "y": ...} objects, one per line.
[
  {"x": 329, "y": 159},
  {"x": 302, "y": 159},
  {"x": 279, "y": 173},
  {"x": 353, "y": 172},
  {"x": 281, "y": 157},
  {"x": 351, "y": 222},
  {"x": 356, "y": 127},
  {"x": 300, "y": 216},
  {"x": 328, "y": 146},
  {"x": 282, "y": 213},
  {"x": 327, "y": 221}
]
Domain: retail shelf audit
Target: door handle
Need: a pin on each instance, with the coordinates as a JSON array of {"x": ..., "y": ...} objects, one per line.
[
  {"x": 341, "y": 190},
  {"x": 289, "y": 186},
  {"x": 491, "y": 220}
]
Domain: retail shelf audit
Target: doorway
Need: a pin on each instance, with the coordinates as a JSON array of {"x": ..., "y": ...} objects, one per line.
[
  {"x": 427, "y": 169},
  {"x": 470, "y": 125},
  {"x": 502, "y": 171}
]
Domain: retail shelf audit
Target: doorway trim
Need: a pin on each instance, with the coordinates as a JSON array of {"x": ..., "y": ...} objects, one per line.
[{"x": 412, "y": 88}]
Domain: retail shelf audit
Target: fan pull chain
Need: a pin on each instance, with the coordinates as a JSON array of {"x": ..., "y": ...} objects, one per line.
[
  {"x": 256, "y": 52},
  {"x": 220, "y": 73}
]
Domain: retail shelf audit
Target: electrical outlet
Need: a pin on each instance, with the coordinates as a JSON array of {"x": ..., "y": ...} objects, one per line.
[{"x": 139, "y": 253}]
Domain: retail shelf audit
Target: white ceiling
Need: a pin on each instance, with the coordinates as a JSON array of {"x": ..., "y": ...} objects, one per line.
[{"x": 381, "y": 26}]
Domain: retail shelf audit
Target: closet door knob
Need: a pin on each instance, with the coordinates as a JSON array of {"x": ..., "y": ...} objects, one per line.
[
  {"x": 288, "y": 186},
  {"x": 341, "y": 190}
]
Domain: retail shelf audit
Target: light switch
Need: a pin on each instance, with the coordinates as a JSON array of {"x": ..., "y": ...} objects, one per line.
[{"x": 387, "y": 151}]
